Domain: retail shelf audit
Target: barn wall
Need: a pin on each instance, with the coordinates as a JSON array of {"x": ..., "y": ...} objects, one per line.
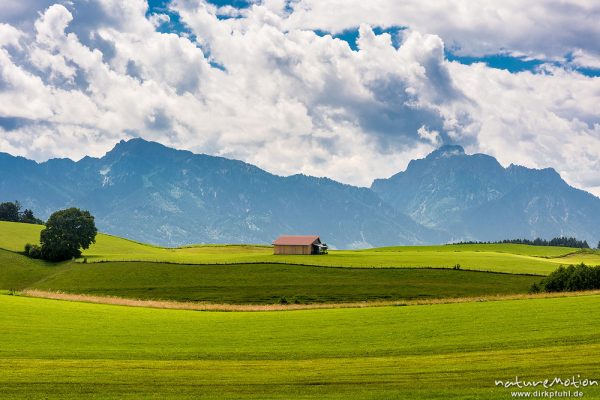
[{"x": 289, "y": 249}]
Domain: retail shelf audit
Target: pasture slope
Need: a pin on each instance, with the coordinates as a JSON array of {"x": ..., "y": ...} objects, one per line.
[
  {"x": 218, "y": 274},
  {"x": 258, "y": 282},
  {"x": 508, "y": 258},
  {"x": 269, "y": 284},
  {"x": 252, "y": 283},
  {"x": 55, "y": 349}
]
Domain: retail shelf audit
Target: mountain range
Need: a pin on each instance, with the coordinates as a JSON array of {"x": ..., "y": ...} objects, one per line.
[
  {"x": 148, "y": 192},
  {"x": 472, "y": 197}
]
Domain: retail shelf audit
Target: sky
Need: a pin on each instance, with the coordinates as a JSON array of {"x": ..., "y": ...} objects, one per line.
[{"x": 348, "y": 89}]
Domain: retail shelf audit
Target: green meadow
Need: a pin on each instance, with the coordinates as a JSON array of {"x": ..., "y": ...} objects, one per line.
[
  {"x": 250, "y": 274},
  {"x": 269, "y": 284},
  {"x": 55, "y": 349},
  {"x": 19, "y": 272},
  {"x": 508, "y": 258},
  {"x": 252, "y": 283}
]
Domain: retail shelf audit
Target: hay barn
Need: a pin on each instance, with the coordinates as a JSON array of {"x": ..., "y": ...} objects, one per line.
[{"x": 299, "y": 245}]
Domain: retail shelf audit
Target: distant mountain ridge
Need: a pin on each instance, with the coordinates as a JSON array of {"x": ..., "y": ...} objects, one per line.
[
  {"x": 146, "y": 191},
  {"x": 472, "y": 197}
]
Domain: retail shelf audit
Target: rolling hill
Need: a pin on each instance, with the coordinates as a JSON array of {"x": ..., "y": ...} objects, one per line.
[
  {"x": 247, "y": 274},
  {"x": 507, "y": 258}
]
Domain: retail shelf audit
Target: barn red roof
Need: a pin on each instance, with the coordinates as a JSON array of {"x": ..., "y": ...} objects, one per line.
[{"x": 296, "y": 240}]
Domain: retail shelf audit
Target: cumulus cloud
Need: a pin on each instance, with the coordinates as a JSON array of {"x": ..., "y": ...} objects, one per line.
[
  {"x": 548, "y": 29},
  {"x": 260, "y": 85},
  {"x": 9, "y": 36},
  {"x": 537, "y": 120}
]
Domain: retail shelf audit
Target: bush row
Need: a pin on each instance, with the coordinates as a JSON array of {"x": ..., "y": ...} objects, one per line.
[{"x": 570, "y": 279}]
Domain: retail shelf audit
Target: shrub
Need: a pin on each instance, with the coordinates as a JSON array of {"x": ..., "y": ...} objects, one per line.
[
  {"x": 283, "y": 300},
  {"x": 570, "y": 279},
  {"x": 33, "y": 250},
  {"x": 535, "y": 288}
]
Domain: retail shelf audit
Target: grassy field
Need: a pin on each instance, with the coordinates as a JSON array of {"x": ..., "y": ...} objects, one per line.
[
  {"x": 52, "y": 349},
  {"x": 19, "y": 272},
  {"x": 520, "y": 259},
  {"x": 252, "y": 283},
  {"x": 267, "y": 283},
  {"x": 65, "y": 350},
  {"x": 498, "y": 258}
]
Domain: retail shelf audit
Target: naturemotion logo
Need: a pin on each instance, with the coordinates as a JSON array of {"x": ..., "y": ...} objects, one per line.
[{"x": 548, "y": 383}]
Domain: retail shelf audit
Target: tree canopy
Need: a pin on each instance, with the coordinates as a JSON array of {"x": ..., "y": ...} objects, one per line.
[
  {"x": 569, "y": 279},
  {"x": 66, "y": 233},
  {"x": 12, "y": 212}
]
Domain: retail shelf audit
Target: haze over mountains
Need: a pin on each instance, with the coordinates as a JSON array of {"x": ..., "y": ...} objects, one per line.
[{"x": 148, "y": 192}]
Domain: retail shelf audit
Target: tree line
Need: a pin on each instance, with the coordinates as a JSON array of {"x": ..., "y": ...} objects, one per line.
[
  {"x": 561, "y": 241},
  {"x": 11, "y": 211}
]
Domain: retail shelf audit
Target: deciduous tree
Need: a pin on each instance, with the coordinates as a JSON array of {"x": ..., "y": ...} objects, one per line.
[{"x": 66, "y": 233}]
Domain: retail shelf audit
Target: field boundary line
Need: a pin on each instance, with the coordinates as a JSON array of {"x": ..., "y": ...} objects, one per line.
[
  {"x": 463, "y": 269},
  {"x": 177, "y": 305}
]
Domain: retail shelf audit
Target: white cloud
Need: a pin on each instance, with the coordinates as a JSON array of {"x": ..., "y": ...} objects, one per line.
[
  {"x": 261, "y": 88},
  {"x": 431, "y": 136},
  {"x": 542, "y": 28},
  {"x": 537, "y": 120},
  {"x": 10, "y": 36},
  {"x": 582, "y": 58}
]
